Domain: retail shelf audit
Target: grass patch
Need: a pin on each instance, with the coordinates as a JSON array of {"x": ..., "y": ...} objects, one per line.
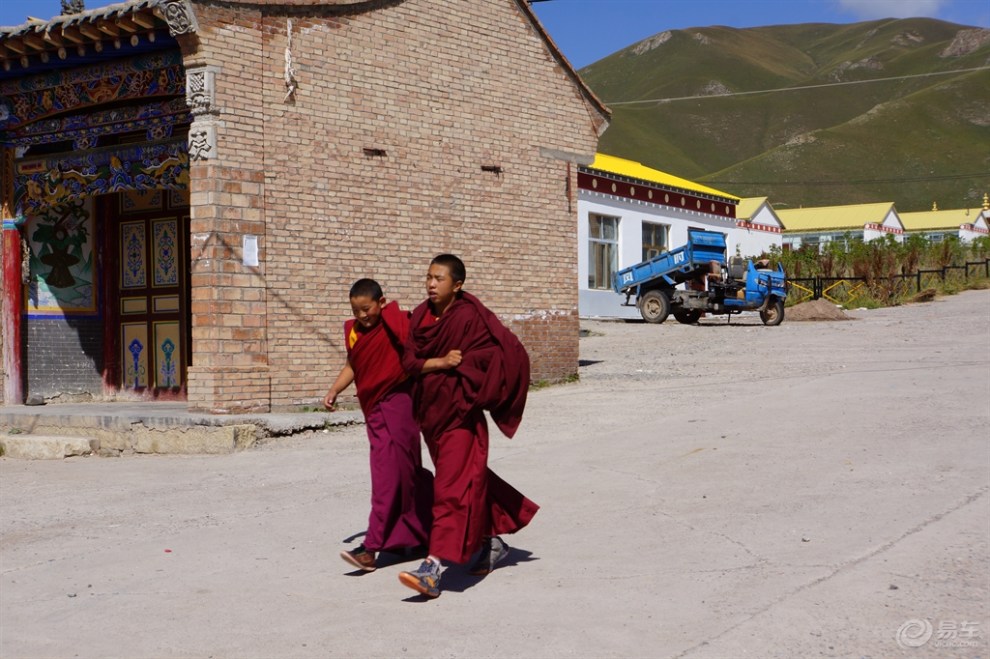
[
  {"x": 536, "y": 385},
  {"x": 312, "y": 408}
]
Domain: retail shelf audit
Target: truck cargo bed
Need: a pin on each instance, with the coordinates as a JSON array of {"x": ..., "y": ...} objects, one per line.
[{"x": 677, "y": 265}]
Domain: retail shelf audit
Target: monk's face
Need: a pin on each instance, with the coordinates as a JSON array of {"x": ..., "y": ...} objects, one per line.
[
  {"x": 441, "y": 287},
  {"x": 367, "y": 311}
]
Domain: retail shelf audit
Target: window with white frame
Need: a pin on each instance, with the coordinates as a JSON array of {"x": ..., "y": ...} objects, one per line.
[
  {"x": 841, "y": 240},
  {"x": 655, "y": 239},
  {"x": 603, "y": 250},
  {"x": 812, "y": 242}
]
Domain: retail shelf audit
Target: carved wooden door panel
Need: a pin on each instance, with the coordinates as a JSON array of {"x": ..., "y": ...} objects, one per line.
[{"x": 152, "y": 297}]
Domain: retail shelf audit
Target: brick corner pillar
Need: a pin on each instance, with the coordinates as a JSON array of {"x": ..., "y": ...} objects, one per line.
[
  {"x": 551, "y": 339},
  {"x": 228, "y": 302},
  {"x": 229, "y": 389}
]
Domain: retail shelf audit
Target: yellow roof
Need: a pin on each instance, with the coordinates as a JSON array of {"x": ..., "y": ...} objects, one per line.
[
  {"x": 834, "y": 218},
  {"x": 947, "y": 219},
  {"x": 633, "y": 169},
  {"x": 748, "y": 206}
]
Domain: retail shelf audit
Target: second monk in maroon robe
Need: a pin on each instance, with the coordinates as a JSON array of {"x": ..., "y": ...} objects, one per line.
[{"x": 470, "y": 501}]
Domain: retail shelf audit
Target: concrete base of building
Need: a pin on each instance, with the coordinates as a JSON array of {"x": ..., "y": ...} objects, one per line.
[{"x": 110, "y": 429}]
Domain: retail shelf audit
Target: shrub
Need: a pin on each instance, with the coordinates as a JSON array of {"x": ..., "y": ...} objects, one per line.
[{"x": 880, "y": 263}]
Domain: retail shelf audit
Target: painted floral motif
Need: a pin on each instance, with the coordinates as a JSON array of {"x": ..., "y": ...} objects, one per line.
[
  {"x": 166, "y": 270},
  {"x": 136, "y": 370},
  {"x": 178, "y": 198},
  {"x": 144, "y": 200},
  {"x": 61, "y": 261},
  {"x": 63, "y": 231},
  {"x": 132, "y": 244},
  {"x": 167, "y": 371}
]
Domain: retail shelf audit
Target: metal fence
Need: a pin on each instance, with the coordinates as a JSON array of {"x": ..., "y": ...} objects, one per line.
[{"x": 846, "y": 290}]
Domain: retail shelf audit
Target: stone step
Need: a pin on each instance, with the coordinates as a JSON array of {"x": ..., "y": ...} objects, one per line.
[
  {"x": 51, "y": 444},
  {"x": 46, "y": 447}
]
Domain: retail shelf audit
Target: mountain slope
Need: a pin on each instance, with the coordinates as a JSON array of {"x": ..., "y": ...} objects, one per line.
[{"x": 834, "y": 139}]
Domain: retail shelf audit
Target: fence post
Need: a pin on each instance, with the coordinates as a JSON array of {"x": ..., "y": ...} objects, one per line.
[{"x": 917, "y": 276}]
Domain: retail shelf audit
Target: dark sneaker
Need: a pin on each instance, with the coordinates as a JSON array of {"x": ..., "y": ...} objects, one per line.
[
  {"x": 425, "y": 580},
  {"x": 360, "y": 558},
  {"x": 492, "y": 553}
]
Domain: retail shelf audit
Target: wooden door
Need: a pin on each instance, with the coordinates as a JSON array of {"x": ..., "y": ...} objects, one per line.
[{"x": 150, "y": 300}]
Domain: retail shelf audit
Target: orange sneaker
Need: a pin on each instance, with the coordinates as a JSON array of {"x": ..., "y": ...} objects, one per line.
[
  {"x": 360, "y": 558},
  {"x": 426, "y": 579}
]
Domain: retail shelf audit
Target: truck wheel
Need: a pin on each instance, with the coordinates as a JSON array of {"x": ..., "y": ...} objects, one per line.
[
  {"x": 773, "y": 314},
  {"x": 688, "y": 316},
  {"x": 654, "y": 306}
]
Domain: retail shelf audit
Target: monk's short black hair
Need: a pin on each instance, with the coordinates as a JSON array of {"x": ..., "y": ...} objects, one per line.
[
  {"x": 454, "y": 264},
  {"x": 367, "y": 288}
]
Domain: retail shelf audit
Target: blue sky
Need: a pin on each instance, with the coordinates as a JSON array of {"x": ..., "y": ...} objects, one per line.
[{"x": 588, "y": 30}]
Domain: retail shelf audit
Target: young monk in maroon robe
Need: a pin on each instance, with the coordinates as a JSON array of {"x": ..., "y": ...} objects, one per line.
[
  {"x": 401, "y": 490},
  {"x": 467, "y": 361}
]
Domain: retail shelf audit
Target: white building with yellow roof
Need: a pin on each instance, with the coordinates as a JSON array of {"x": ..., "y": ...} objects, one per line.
[
  {"x": 628, "y": 212},
  {"x": 824, "y": 224},
  {"x": 936, "y": 225},
  {"x": 758, "y": 227}
]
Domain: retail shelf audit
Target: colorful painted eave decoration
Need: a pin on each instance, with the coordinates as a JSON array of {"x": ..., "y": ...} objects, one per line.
[
  {"x": 36, "y": 97},
  {"x": 51, "y": 181},
  {"x": 91, "y": 125}
]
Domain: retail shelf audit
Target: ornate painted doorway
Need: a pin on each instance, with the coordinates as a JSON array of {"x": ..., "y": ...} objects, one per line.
[{"x": 147, "y": 303}]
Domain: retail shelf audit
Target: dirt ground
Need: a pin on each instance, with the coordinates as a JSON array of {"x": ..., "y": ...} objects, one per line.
[{"x": 813, "y": 489}]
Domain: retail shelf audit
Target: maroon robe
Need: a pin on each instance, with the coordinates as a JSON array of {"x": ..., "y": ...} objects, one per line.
[
  {"x": 470, "y": 501},
  {"x": 374, "y": 354},
  {"x": 401, "y": 489}
]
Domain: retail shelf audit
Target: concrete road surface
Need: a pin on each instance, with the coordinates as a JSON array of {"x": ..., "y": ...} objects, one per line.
[{"x": 815, "y": 489}]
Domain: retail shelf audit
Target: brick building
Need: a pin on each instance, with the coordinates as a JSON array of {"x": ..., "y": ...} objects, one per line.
[{"x": 190, "y": 186}]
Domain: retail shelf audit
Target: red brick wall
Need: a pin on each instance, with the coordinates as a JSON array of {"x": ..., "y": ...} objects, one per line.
[{"x": 444, "y": 89}]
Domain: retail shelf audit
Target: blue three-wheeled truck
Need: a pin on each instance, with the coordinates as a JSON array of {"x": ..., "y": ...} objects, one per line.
[{"x": 712, "y": 284}]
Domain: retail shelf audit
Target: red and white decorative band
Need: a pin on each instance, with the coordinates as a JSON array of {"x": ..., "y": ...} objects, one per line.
[
  {"x": 879, "y": 227},
  {"x": 974, "y": 229},
  {"x": 753, "y": 226},
  {"x": 645, "y": 192}
]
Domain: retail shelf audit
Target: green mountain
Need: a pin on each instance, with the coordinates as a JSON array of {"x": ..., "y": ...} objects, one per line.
[{"x": 887, "y": 110}]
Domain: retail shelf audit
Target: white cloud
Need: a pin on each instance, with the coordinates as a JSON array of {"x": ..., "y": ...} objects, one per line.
[{"x": 892, "y": 8}]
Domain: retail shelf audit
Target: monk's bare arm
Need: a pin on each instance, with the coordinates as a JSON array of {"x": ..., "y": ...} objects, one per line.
[
  {"x": 448, "y": 361},
  {"x": 344, "y": 380}
]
